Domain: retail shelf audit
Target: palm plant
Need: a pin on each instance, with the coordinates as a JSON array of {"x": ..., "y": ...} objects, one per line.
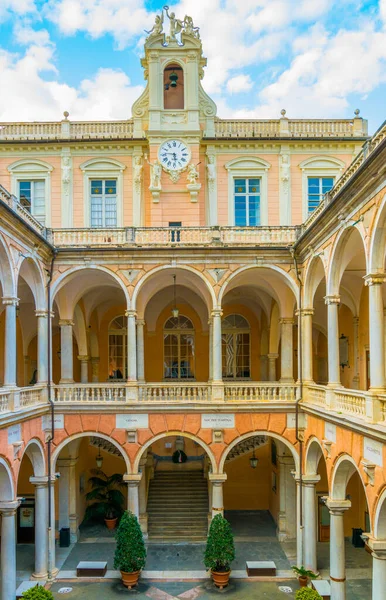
[{"x": 105, "y": 495}]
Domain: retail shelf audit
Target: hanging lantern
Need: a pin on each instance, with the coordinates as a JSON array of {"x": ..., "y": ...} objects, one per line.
[
  {"x": 175, "y": 311},
  {"x": 253, "y": 460},
  {"x": 99, "y": 459}
]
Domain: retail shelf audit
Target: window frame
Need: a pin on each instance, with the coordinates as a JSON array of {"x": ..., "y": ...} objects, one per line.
[
  {"x": 318, "y": 166},
  {"x": 102, "y": 168},
  {"x": 178, "y": 332},
  {"x": 248, "y": 167},
  {"x": 235, "y": 331},
  {"x": 103, "y": 196},
  {"x": 33, "y": 170},
  {"x": 320, "y": 178},
  {"x": 247, "y": 195},
  {"x": 121, "y": 332}
]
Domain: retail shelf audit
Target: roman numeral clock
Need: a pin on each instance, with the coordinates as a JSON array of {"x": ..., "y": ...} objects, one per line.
[{"x": 174, "y": 156}]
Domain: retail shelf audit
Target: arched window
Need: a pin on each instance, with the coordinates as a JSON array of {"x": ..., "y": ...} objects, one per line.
[
  {"x": 235, "y": 347},
  {"x": 117, "y": 348},
  {"x": 179, "y": 348},
  {"x": 174, "y": 87}
]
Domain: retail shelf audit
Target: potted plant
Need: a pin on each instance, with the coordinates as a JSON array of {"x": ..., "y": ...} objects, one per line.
[
  {"x": 38, "y": 592},
  {"x": 106, "y": 497},
  {"x": 303, "y": 575},
  {"x": 130, "y": 552},
  {"x": 219, "y": 551},
  {"x": 306, "y": 593}
]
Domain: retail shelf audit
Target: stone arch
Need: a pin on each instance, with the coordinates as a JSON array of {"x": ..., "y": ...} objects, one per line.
[
  {"x": 314, "y": 274},
  {"x": 7, "y": 486},
  {"x": 191, "y": 278},
  {"x": 83, "y": 434},
  {"x": 175, "y": 433},
  {"x": 6, "y": 270},
  {"x": 380, "y": 517},
  {"x": 31, "y": 272},
  {"x": 314, "y": 452},
  {"x": 35, "y": 452},
  {"x": 245, "y": 436},
  {"x": 340, "y": 256},
  {"x": 343, "y": 469},
  {"x": 378, "y": 240},
  {"x": 80, "y": 331}
]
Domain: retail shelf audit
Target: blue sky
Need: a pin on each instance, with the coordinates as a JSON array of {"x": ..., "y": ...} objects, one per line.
[{"x": 315, "y": 58}]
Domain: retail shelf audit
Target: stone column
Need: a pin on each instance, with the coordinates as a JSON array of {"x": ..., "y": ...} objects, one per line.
[
  {"x": 376, "y": 324},
  {"x": 217, "y": 480},
  {"x": 210, "y": 349},
  {"x": 299, "y": 524},
  {"x": 52, "y": 570},
  {"x": 310, "y": 521},
  {"x": 287, "y": 368},
  {"x": 67, "y": 496},
  {"x": 143, "y": 519},
  {"x": 133, "y": 482},
  {"x": 217, "y": 347},
  {"x": 8, "y": 549},
  {"x": 42, "y": 318},
  {"x": 263, "y": 367},
  {"x": 378, "y": 548},
  {"x": 333, "y": 340},
  {"x": 83, "y": 368},
  {"x": 355, "y": 381},
  {"x": 41, "y": 524},
  {"x": 306, "y": 315},
  {"x": 140, "y": 350},
  {"x": 10, "y": 341},
  {"x": 95, "y": 369},
  {"x": 272, "y": 366},
  {"x": 286, "y": 522},
  {"x": 337, "y": 548},
  {"x": 131, "y": 346},
  {"x": 66, "y": 352}
]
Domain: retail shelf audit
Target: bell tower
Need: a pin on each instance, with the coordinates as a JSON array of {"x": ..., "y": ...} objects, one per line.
[{"x": 174, "y": 100}]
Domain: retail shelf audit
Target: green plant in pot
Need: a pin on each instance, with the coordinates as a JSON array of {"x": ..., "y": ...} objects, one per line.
[
  {"x": 130, "y": 552},
  {"x": 306, "y": 593},
  {"x": 106, "y": 498},
  {"x": 38, "y": 592},
  {"x": 219, "y": 551},
  {"x": 303, "y": 575}
]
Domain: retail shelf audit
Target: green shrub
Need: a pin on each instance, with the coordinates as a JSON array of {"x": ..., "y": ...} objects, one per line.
[
  {"x": 106, "y": 496},
  {"x": 38, "y": 592},
  {"x": 307, "y": 593},
  {"x": 303, "y": 572},
  {"x": 220, "y": 548},
  {"x": 130, "y": 552}
]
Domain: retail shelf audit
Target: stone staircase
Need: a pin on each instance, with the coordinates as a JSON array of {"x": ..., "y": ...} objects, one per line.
[{"x": 177, "y": 506}]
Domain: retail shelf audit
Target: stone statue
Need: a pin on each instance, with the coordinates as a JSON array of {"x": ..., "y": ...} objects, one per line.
[
  {"x": 66, "y": 169},
  {"x": 137, "y": 171},
  {"x": 155, "y": 173},
  {"x": 190, "y": 29},
  {"x": 211, "y": 169},
  {"x": 157, "y": 27},
  {"x": 176, "y": 25},
  {"x": 192, "y": 175},
  {"x": 285, "y": 172}
]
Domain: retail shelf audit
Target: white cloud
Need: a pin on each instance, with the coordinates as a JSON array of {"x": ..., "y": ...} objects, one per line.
[
  {"x": 239, "y": 84},
  {"x": 9, "y": 8}
]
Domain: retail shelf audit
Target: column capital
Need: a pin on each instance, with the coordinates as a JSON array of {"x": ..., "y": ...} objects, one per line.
[
  {"x": 217, "y": 478},
  {"x": 286, "y": 321},
  {"x": 66, "y": 323},
  {"x": 141, "y": 322},
  {"x": 83, "y": 358},
  {"x": 131, "y": 314},
  {"x": 310, "y": 480},
  {"x": 216, "y": 312},
  {"x": 272, "y": 356},
  {"x": 333, "y": 299},
  {"x": 9, "y": 508},
  {"x": 41, "y": 313},
  {"x": 10, "y": 301},
  {"x": 378, "y": 547},
  {"x": 133, "y": 480},
  {"x": 337, "y": 507},
  {"x": 95, "y": 359},
  {"x": 40, "y": 481},
  {"x": 305, "y": 312},
  {"x": 374, "y": 278}
]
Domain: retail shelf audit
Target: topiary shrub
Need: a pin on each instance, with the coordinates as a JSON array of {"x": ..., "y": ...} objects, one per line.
[
  {"x": 220, "y": 547},
  {"x": 38, "y": 592},
  {"x": 130, "y": 552},
  {"x": 307, "y": 593}
]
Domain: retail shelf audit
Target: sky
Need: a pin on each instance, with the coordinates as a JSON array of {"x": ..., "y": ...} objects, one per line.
[{"x": 314, "y": 58}]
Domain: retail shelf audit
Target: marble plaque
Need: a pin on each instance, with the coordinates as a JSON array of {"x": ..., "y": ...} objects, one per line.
[
  {"x": 14, "y": 434},
  {"x": 58, "y": 422},
  {"x": 291, "y": 420},
  {"x": 217, "y": 421},
  {"x": 330, "y": 432},
  {"x": 140, "y": 421},
  {"x": 373, "y": 451}
]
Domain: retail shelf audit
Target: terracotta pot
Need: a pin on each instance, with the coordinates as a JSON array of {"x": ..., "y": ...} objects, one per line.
[
  {"x": 303, "y": 581},
  {"x": 111, "y": 523},
  {"x": 130, "y": 579},
  {"x": 220, "y": 579}
]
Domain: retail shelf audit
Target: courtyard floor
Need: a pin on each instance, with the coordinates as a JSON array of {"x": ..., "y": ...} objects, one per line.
[{"x": 177, "y": 570}]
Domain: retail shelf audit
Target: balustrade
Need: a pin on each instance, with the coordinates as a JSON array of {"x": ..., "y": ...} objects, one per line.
[
  {"x": 164, "y": 392},
  {"x": 259, "y": 392},
  {"x": 350, "y": 402},
  {"x": 97, "y": 392},
  {"x": 315, "y": 394},
  {"x": 5, "y": 398},
  {"x": 30, "y": 396}
]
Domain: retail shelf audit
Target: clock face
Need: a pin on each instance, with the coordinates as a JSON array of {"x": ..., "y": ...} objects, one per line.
[{"x": 174, "y": 155}]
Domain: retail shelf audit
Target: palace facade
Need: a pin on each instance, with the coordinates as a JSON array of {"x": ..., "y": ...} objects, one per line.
[{"x": 181, "y": 282}]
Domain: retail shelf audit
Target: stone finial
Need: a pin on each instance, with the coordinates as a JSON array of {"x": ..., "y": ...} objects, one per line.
[
  {"x": 283, "y": 112},
  {"x": 66, "y": 114},
  {"x": 357, "y": 112}
]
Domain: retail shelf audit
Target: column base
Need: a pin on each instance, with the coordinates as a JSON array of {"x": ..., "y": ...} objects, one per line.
[
  {"x": 62, "y": 381},
  {"x": 40, "y": 576},
  {"x": 54, "y": 573}
]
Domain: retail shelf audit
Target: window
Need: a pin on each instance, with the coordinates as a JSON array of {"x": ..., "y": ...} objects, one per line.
[
  {"x": 247, "y": 202},
  {"x": 103, "y": 202},
  {"x": 179, "y": 348},
  {"x": 32, "y": 196},
  {"x": 117, "y": 348},
  {"x": 235, "y": 347},
  {"x": 317, "y": 187}
]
